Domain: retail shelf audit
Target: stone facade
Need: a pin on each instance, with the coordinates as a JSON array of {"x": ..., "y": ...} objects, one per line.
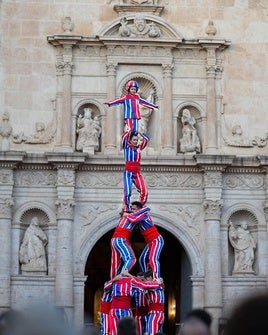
[{"x": 60, "y": 59}]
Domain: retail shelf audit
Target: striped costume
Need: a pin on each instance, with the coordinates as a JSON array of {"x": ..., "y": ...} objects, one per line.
[
  {"x": 123, "y": 290},
  {"x": 132, "y": 173},
  {"x": 156, "y": 316},
  {"x": 123, "y": 256},
  {"x": 141, "y": 310},
  {"x": 154, "y": 241},
  {"x": 131, "y": 104},
  {"x": 105, "y": 306}
]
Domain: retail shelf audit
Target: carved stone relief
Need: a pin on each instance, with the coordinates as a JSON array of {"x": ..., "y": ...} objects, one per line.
[
  {"x": 98, "y": 179},
  {"x": 182, "y": 180},
  {"x": 189, "y": 216},
  {"x": 5, "y": 131},
  {"x": 243, "y": 181},
  {"x": 35, "y": 178}
]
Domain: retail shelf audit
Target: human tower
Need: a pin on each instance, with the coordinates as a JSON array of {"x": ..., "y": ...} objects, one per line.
[{"x": 140, "y": 296}]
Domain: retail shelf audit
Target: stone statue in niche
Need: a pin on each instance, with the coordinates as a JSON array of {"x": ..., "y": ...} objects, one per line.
[
  {"x": 32, "y": 253},
  {"x": 5, "y": 131},
  {"x": 244, "y": 246},
  {"x": 189, "y": 141},
  {"x": 88, "y": 131},
  {"x": 145, "y": 115},
  {"x": 139, "y": 28}
]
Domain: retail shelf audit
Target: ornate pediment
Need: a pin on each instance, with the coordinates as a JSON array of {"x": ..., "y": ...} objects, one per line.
[{"x": 140, "y": 27}]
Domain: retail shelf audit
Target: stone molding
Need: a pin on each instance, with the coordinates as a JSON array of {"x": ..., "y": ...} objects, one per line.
[
  {"x": 65, "y": 209},
  {"x": 213, "y": 209}
]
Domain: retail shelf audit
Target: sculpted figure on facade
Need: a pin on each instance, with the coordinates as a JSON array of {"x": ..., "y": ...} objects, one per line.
[
  {"x": 145, "y": 115},
  {"x": 139, "y": 28},
  {"x": 5, "y": 131},
  {"x": 244, "y": 246},
  {"x": 42, "y": 135},
  {"x": 89, "y": 131},
  {"x": 32, "y": 253},
  {"x": 189, "y": 141}
]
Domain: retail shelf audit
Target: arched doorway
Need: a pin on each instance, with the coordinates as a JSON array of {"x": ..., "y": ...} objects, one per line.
[{"x": 175, "y": 270}]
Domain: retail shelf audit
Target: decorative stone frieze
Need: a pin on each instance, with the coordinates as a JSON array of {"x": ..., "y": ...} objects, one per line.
[
  {"x": 212, "y": 209},
  {"x": 213, "y": 179},
  {"x": 93, "y": 179},
  {"x": 35, "y": 178},
  {"x": 243, "y": 181},
  {"x": 164, "y": 180},
  {"x": 65, "y": 177},
  {"x": 6, "y": 176}
]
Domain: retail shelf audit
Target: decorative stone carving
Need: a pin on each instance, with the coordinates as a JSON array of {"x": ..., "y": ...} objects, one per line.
[
  {"x": 5, "y": 207},
  {"x": 213, "y": 179},
  {"x": 210, "y": 29},
  {"x": 66, "y": 177},
  {"x": 213, "y": 209},
  {"x": 5, "y": 131},
  {"x": 6, "y": 176},
  {"x": 67, "y": 25},
  {"x": 238, "y": 139},
  {"x": 89, "y": 132},
  {"x": 98, "y": 180},
  {"x": 174, "y": 180},
  {"x": 65, "y": 209},
  {"x": 244, "y": 246},
  {"x": 190, "y": 141},
  {"x": 45, "y": 178},
  {"x": 188, "y": 215},
  {"x": 32, "y": 253},
  {"x": 42, "y": 135},
  {"x": 244, "y": 181},
  {"x": 139, "y": 28}
]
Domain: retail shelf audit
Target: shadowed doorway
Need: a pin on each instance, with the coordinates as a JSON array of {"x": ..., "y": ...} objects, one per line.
[{"x": 175, "y": 270}]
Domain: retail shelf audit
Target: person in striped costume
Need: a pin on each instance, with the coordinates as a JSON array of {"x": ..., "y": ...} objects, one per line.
[
  {"x": 131, "y": 102},
  {"x": 156, "y": 302},
  {"x": 149, "y": 258},
  {"x": 132, "y": 172},
  {"x": 105, "y": 306},
  {"x": 123, "y": 289},
  {"x": 122, "y": 255}
]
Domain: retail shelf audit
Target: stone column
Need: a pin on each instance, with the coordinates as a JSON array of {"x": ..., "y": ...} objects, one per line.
[
  {"x": 66, "y": 126},
  {"x": 213, "y": 268},
  {"x": 211, "y": 140},
  {"x": 166, "y": 115},
  {"x": 6, "y": 202},
  {"x": 64, "y": 260},
  {"x": 111, "y": 117}
]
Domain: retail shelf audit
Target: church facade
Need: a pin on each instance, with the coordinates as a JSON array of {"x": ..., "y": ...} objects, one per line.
[{"x": 204, "y": 65}]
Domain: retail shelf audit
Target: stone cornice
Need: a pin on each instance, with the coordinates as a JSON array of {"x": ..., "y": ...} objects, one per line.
[{"x": 149, "y": 9}]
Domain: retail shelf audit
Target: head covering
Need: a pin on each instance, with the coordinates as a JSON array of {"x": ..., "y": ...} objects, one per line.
[{"x": 132, "y": 83}]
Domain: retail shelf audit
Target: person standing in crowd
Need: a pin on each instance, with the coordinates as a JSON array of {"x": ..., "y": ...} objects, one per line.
[
  {"x": 131, "y": 102},
  {"x": 197, "y": 322},
  {"x": 249, "y": 316}
]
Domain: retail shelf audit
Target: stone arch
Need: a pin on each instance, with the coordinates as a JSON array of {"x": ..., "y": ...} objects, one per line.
[
  {"x": 98, "y": 112},
  {"x": 167, "y": 31},
  {"x": 179, "y": 232},
  {"x": 197, "y": 112}
]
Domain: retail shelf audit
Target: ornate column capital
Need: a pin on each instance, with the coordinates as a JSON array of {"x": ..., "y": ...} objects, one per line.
[
  {"x": 66, "y": 176},
  {"x": 167, "y": 70},
  {"x": 65, "y": 209},
  {"x": 5, "y": 208},
  {"x": 212, "y": 209},
  {"x": 111, "y": 68}
]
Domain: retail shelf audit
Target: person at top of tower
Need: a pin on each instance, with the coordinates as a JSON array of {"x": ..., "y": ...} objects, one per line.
[
  {"x": 132, "y": 172},
  {"x": 131, "y": 102}
]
